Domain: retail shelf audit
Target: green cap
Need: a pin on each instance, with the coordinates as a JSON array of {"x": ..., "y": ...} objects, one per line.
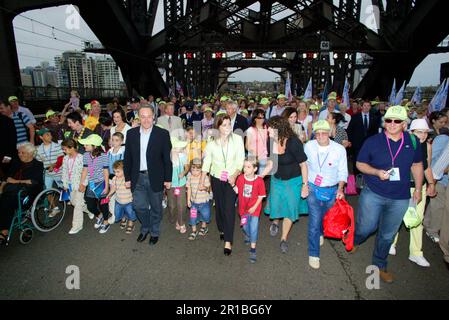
[
  {"x": 396, "y": 112},
  {"x": 281, "y": 96},
  {"x": 264, "y": 101},
  {"x": 224, "y": 98},
  {"x": 321, "y": 125},
  {"x": 244, "y": 111},
  {"x": 162, "y": 102},
  {"x": 88, "y": 106},
  {"x": 332, "y": 96},
  {"x": 42, "y": 131},
  {"x": 93, "y": 140},
  {"x": 221, "y": 112},
  {"x": 251, "y": 101},
  {"x": 411, "y": 218},
  {"x": 177, "y": 143},
  {"x": 315, "y": 107},
  {"x": 49, "y": 114},
  {"x": 12, "y": 98},
  {"x": 158, "y": 99},
  {"x": 208, "y": 110}
]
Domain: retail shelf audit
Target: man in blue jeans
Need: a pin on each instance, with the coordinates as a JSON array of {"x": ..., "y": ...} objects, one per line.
[
  {"x": 386, "y": 160},
  {"x": 328, "y": 173}
]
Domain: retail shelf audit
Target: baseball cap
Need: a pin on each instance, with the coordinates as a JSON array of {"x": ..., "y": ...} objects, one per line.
[
  {"x": 315, "y": 107},
  {"x": 208, "y": 110},
  {"x": 177, "y": 143},
  {"x": 264, "y": 101},
  {"x": 321, "y": 125},
  {"x": 93, "y": 140},
  {"x": 419, "y": 124},
  {"x": 281, "y": 96},
  {"x": 12, "y": 98},
  {"x": 396, "y": 112},
  {"x": 332, "y": 96},
  {"x": 88, "y": 106},
  {"x": 224, "y": 98},
  {"x": 42, "y": 131},
  {"x": 49, "y": 114}
]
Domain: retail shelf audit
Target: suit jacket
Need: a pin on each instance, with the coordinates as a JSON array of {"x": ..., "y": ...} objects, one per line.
[
  {"x": 9, "y": 136},
  {"x": 130, "y": 116},
  {"x": 356, "y": 130},
  {"x": 159, "y": 164},
  {"x": 240, "y": 123},
  {"x": 176, "y": 122},
  {"x": 193, "y": 117}
]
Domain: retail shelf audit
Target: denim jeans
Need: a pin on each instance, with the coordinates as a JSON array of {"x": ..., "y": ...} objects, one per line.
[
  {"x": 317, "y": 211},
  {"x": 203, "y": 213},
  {"x": 124, "y": 210},
  {"x": 148, "y": 206},
  {"x": 251, "y": 228},
  {"x": 382, "y": 214},
  {"x": 50, "y": 181}
]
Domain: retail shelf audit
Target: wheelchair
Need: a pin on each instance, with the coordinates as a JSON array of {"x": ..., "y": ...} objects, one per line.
[{"x": 39, "y": 214}]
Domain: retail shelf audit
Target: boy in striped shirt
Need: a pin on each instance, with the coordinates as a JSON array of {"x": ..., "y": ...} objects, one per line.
[
  {"x": 48, "y": 153},
  {"x": 123, "y": 199}
]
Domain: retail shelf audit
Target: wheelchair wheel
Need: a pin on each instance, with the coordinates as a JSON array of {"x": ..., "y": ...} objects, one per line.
[
  {"x": 26, "y": 235},
  {"x": 47, "y": 211}
]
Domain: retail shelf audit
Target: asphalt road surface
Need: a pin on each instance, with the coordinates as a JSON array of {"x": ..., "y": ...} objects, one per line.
[{"x": 115, "y": 266}]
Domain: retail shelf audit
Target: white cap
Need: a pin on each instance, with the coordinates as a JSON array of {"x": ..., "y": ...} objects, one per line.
[{"x": 419, "y": 124}]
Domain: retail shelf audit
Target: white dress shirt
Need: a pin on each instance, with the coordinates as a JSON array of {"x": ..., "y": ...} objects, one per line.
[{"x": 144, "y": 139}]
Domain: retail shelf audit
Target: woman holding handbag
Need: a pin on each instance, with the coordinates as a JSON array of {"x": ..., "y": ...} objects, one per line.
[{"x": 328, "y": 172}]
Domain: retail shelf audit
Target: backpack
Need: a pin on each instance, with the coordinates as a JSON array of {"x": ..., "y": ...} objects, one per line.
[{"x": 339, "y": 223}]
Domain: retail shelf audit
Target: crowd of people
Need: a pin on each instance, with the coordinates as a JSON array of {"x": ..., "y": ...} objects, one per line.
[{"x": 123, "y": 164}]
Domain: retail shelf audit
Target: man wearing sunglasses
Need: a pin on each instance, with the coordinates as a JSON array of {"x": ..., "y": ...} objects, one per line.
[{"x": 386, "y": 161}]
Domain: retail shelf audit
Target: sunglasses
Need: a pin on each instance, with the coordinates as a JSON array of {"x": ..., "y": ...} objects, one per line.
[{"x": 391, "y": 120}]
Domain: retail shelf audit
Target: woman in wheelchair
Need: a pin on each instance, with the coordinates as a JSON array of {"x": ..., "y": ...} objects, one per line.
[{"x": 25, "y": 174}]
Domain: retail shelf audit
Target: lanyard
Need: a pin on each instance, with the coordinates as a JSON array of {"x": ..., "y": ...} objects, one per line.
[
  {"x": 49, "y": 152},
  {"x": 70, "y": 167},
  {"x": 321, "y": 164},
  {"x": 399, "y": 149},
  {"x": 91, "y": 166}
]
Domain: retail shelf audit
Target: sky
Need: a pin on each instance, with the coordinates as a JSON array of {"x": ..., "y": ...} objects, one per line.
[{"x": 37, "y": 42}]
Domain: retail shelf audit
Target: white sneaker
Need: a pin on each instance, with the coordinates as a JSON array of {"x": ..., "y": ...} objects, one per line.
[
  {"x": 321, "y": 241},
  {"x": 392, "y": 251},
  {"x": 75, "y": 230},
  {"x": 90, "y": 215},
  {"x": 54, "y": 212},
  {"x": 314, "y": 262},
  {"x": 435, "y": 239},
  {"x": 420, "y": 261}
]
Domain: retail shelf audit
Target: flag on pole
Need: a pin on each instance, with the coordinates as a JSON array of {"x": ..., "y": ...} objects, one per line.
[
  {"x": 288, "y": 89},
  {"x": 444, "y": 95},
  {"x": 308, "y": 92},
  {"x": 179, "y": 89},
  {"x": 400, "y": 95},
  {"x": 435, "y": 103},
  {"x": 345, "y": 94},
  {"x": 325, "y": 93},
  {"x": 392, "y": 94},
  {"x": 416, "y": 98}
]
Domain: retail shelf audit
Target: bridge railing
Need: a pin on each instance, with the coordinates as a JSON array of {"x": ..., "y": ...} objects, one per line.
[{"x": 63, "y": 93}]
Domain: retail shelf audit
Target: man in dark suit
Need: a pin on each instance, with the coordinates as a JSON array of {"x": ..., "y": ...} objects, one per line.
[
  {"x": 189, "y": 117},
  {"x": 362, "y": 126},
  {"x": 148, "y": 169},
  {"x": 238, "y": 122},
  {"x": 135, "y": 104}
]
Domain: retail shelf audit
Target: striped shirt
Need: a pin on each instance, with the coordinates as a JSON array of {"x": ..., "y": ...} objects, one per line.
[
  {"x": 21, "y": 121},
  {"x": 95, "y": 166},
  {"x": 122, "y": 194},
  {"x": 197, "y": 196},
  {"x": 49, "y": 155},
  {"x": 113, "y": 157}
]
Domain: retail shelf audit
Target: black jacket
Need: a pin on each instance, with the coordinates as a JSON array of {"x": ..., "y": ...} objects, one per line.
[
  {"x": 189, "y": 122},
  {"x": 159, "y": 164},
  {"x": 356, "y": 134},
  {"x": 9, "y": 137},
  {"x": 240, "y": 123}
]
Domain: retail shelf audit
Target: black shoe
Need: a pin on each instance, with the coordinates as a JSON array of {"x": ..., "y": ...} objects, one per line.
[
  {"x": 142, "y": 237},
  {"x": 221, "y": 236},
  {"x": 227, "y": 252},
  {"x": 153, "y": 240}
]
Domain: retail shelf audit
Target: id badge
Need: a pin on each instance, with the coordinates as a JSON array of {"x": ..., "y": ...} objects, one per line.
[
  {"x": 193, "y": 213},
  {"x": 394, "y": 174},
  {"x": 92, "y": 185},
  {"x": 177, "y": 191},
  {"x": 224, "y": 176},
  {"x": 244, "y": 220},
  {"x": 318, "y": 180}
]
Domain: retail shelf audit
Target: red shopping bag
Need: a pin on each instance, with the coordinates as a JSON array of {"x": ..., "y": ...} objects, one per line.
[
  {"x": 351, "y": 187},
  {"x": 339, "y": 223}
]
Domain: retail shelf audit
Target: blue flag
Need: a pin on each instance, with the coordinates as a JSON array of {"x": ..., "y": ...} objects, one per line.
[
  {"x": 392, "y": 94},
  {"x": 436, "y": 102},
  {"x": 345, "y": 94},
  {"x": 308, "y": 92},
  {"x": 288, "y": 88},
  {"x": 325, "y": 93},
  {"x": 400, "y": 95},
  {"x": 416, "y": 96}
]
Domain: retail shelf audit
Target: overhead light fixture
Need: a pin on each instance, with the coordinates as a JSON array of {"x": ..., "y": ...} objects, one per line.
[{"x": 284, "y": 55}]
